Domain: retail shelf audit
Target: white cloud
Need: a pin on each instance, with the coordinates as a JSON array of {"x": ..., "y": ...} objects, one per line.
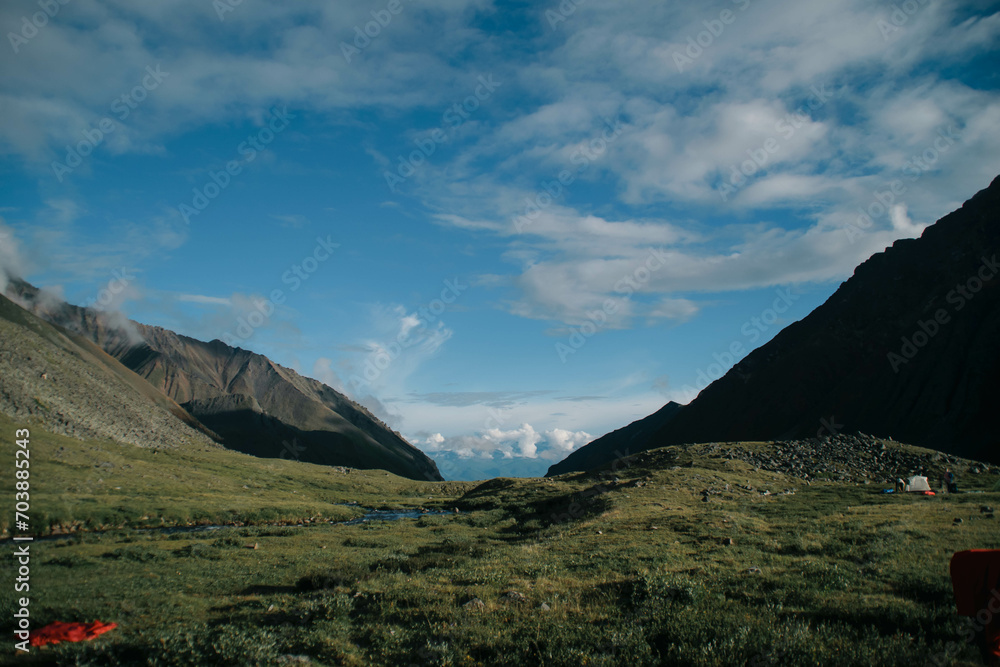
[
  {"x": 400, "y": 342},
  {"x": 901, "y": 222},
  {"x": 202, "y": 299},
  {"x": 407, "y": 324},
  {"x": 11, "y": 260},
  {"x": 678, "y": 310},
  {"x": 564, "y": 442},
  {"x": 62, "y": 211},
  {"x": 553, "y": 425},
  {"x": 52, "y": 100},
  {"x": 684, "y": 132},
  {"x": 523, "y": 442},
  {"x": 845, "y": 109},
  {"x": 322, "y": 370}
]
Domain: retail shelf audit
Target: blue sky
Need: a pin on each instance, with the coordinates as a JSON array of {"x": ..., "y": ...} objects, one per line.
[{"x": 506, "y": 228}]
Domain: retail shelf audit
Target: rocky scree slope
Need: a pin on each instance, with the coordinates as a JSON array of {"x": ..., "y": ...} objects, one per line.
[{"x": 64, "y": 382}]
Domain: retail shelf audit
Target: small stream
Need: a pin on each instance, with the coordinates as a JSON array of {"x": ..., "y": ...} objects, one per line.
[
  {"x": 370, "y": 515},
  {"x": 388, "y": 515}
]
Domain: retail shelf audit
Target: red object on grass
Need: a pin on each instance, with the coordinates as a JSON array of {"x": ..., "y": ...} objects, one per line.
[
  {"x": 975, "y": 577},
  {"x": 53, "y": 633}
]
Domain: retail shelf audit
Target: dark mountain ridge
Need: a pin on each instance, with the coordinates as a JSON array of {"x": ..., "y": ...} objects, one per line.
[{"x": 906, "y": 348}]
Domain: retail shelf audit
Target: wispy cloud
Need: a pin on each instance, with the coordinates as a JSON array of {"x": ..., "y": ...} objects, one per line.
[
  {"x": 202, "y": 299},
  {"x": 292, "y": 221},
  {"x": 821, "y": 108},
  {"x": 498, "y": 399},
  {"x": 11, "y": 260}
]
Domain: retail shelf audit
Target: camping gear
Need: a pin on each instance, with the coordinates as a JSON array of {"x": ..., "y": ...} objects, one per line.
[
  {"x": 949, "y": 478},
  {"x": 975, "y": 578},
  {"x": 56, "y": 632},
  {"x": 918, "y": 483}
]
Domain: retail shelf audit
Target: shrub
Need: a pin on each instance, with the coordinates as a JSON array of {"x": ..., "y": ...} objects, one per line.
[
  {"x": 135, "y": 554},
  {"x": 655, "y": 589},
  {"x": 227, "y": 543},
  {"x": 198, "y": 550},
  {"x": 359, "y": 543},
  {"x": 71, "y": 560},
  {"x": 344, "y": 575}
]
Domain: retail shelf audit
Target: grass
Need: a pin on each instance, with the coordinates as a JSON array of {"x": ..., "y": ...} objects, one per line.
[
  {"x": 629, "y": 574},
  {"x": 99, "y": 485}
]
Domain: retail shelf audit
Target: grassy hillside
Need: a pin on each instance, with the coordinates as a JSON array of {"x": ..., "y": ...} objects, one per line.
[
  {"x": 624, "y": 567},
  {"x": 102, "y": 484}
]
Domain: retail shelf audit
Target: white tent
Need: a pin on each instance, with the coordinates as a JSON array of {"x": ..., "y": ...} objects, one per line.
[{"x": 918, "y": 483}]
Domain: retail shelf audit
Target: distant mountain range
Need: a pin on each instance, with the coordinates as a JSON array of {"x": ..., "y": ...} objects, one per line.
[
  {"x": 249, "y": 403},
  {"x": 908, "y": 348}
]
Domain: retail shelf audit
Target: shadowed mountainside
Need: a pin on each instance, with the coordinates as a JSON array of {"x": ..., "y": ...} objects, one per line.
[
  {"x": 906, "y": 348},
  {"x": 617, "y": 444},
  {"x": 257, "y": 406}
]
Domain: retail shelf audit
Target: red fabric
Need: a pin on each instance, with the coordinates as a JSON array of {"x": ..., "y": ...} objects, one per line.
[
  {"x": 53, "y": 633},
  {"x": 975, "y": 578}
]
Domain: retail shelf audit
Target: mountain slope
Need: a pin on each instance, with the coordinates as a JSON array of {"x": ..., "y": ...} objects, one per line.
[
  {"x": 256, "y": 406},
  {"x": 623, "y": 442},
  {"x": 906, "y": 348},
  {"x": 71, "y": 386}
]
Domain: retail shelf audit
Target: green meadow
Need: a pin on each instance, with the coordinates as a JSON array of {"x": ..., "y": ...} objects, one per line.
[{"x": 637, "y": 566}]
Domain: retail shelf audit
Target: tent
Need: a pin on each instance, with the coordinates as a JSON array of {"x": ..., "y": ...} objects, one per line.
[{"x": 918, "y": 483}]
